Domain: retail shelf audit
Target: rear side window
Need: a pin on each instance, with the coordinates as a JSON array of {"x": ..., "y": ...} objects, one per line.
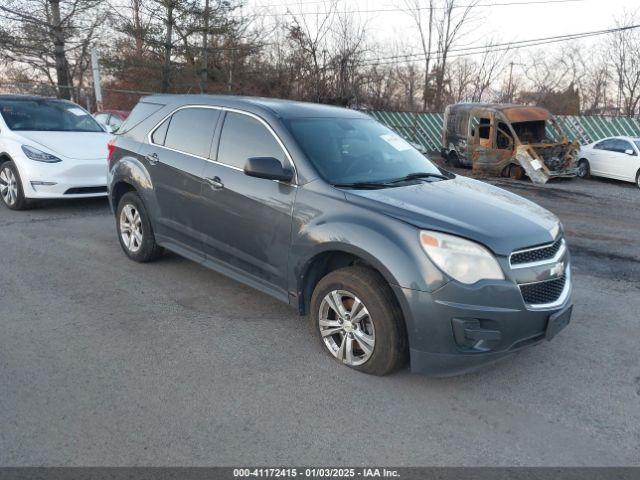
[
  {"x": 244, "y": 137},
  {"x": 191, "y": 130},
  {"x": 140, "y": 112}
]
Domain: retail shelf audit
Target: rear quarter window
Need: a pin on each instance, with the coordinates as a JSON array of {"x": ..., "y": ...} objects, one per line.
[{"x": 140, "y": 112}]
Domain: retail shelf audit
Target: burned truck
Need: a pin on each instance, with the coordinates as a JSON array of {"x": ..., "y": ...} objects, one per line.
[{"x": 507, "y": 140}]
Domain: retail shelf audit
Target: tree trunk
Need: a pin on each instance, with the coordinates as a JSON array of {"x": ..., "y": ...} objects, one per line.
[
  {"x": 168, "y": 45},
  {"x": 62, "y": 66},
  {"x": 204, "y": 74}
]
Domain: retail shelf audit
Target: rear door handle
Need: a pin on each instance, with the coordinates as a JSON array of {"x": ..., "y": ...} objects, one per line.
[
  {"x": 215, "y": 183},
  {"x": 152, "y": 158}
]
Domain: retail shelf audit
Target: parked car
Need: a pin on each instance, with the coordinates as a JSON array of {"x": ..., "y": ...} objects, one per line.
[
  {"x": 507, "y": 140},
  {"x": 112, "y": 120},
  {"x": 613, "y": 157},
  {"x": 328, "y": 210},
  {"x": 49, "y": 148}
]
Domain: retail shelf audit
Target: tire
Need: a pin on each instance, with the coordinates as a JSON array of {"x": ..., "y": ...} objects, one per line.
[
  {"x": 453, "y": 159},
  {"x": 638, "y": 179},
  {"x": 516, "y": 172},
  {"x": 584, "y": 171},
  {"x": 11, "y": 187},
  {"x": 134, "y": 229},
  {"x": 376, "y": 341}
]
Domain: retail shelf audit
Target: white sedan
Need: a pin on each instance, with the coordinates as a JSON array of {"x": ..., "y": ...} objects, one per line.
[
  {"x": 613, "y": 157},
  {"x": 49, "y": 148}
]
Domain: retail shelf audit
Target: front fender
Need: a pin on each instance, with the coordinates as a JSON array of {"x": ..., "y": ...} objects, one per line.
[{"x": 327, "y": 222}]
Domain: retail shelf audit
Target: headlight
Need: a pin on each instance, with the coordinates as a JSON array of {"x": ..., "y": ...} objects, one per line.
[
  {"x": 39, "y": 155},
  {"x": 464, "y": 260}
]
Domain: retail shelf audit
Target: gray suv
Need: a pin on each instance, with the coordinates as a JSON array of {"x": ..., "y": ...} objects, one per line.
[{"x": 390, "y": 257}]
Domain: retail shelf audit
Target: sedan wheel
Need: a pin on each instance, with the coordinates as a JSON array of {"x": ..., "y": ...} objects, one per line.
[
  {"x": 8, "y": 186},
  {"x": 131, "y": 228},
  {"x": 346, "y": 327}
]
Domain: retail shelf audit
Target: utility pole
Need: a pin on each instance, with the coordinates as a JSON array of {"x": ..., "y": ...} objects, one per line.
[
  {"x": 95, "y": 70},
  {"x": 204, "y": 74}
]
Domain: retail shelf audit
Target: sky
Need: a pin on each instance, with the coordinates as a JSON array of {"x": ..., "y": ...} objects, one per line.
[{"x": 503, "y": 23}]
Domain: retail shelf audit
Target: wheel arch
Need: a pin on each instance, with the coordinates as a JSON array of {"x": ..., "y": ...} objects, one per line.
[{"x": 332, "y": 258}]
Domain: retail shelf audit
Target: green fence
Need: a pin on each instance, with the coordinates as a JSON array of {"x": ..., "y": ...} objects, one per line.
[{"x": 426, "y": 128}]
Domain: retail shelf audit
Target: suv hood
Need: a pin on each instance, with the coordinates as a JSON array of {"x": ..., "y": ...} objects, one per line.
[
  {"x": 500, "y": 220},
  {"x": 76, "y": 145}
]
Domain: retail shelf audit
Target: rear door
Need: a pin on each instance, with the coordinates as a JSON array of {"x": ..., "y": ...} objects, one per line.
[
  {"x": 175, "y": 156},
  {"x": 252, "y": 228}
]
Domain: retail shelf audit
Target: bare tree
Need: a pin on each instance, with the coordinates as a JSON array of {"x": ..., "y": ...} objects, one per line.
[
  {"x": 625, "y": 51},
  {"x": 44, "y": 33},
  {"x": 424, "y": 25},
  {"x": 450, "y": 25}
]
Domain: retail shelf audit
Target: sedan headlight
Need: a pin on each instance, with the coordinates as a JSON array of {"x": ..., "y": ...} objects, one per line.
[
  {"x": 461, "y": 259},
  {"x": 39, "y": 155}
]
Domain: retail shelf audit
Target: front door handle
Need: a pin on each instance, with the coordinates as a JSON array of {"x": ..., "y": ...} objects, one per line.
[
  {"x": 152, "y": 158},
  {"x": 215, "y": 183}
]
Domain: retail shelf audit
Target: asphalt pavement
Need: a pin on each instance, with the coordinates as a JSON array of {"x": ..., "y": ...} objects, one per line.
[{"x": 104, "y": 361}]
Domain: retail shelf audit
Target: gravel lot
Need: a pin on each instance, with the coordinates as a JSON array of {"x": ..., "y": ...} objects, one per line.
[{"x": 108, "y": 362}]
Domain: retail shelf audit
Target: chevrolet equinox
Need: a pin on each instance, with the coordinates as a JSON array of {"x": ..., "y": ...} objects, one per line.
[{"x": 392, "y": 258}]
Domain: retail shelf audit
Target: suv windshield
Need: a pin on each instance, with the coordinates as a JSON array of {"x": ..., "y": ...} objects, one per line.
[
  {"x": 346, "y": 150},
  {"x": 47, "y": 115}
]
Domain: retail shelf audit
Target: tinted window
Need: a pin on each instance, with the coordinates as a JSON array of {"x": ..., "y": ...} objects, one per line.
[
  {"x": 140, "y": 112},
  {"x": 160, "y": 133},
  {"x": 47, "y": 115},
  {"x": 191, "y": 129},
  {"x": 244, "y": 137},
  {"x": 621, "y": 146},
  {"x": 346, "y": 150},
  {"x": 605, "y": 145}
]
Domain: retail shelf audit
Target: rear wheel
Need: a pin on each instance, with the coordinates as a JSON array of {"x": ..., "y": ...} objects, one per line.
[
  {"x": 358, "y": 321},
  {"x": 583, "y": 168},
  {"x": 638, "y": 179},
  {"x": 516, "y": 172},
  {"x": 453, "y": 159},
  {"x": 11, "y": 187},
  {"x": 134, "y": 229}
]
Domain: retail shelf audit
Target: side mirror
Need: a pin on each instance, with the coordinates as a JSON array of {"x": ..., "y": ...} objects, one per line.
[
  {"x": 269, "y": 168},
  {"x": 628, "y": 151}
]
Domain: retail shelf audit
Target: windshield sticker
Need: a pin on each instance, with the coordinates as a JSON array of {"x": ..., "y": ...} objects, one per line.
[
  {"x": 396, "y": 142},
  {"x": 77, "y": 111}
]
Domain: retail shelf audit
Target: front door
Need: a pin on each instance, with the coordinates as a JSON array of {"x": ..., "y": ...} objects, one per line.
[
  {"x": 176, "y": 158},
  {"x": 250, "y": 228}
]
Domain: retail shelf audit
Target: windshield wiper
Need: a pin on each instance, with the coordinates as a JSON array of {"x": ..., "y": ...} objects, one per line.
[
  {"x": 364, "y": 185},
  {"x": 418, "y": 175}
]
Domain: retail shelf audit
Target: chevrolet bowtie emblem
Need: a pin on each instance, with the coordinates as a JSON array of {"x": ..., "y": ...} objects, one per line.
[{"x": 557, "y": 270}]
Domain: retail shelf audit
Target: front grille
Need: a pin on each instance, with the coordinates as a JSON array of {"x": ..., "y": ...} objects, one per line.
[
  {"x": 536, "y": 254},
  {"x": 85, "y": 190},
  {"x": 543, "y": 292}
]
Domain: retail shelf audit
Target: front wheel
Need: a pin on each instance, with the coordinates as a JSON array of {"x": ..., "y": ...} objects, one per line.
[
  {"x": 638, "y": 179},
  {"x": 134, "y": 229},
  {"x": 453, "y": 159},
  {"x": 583, "y": 169},
  {"x": 11, "y": 187},
  {"x": 358, "y": 321}
]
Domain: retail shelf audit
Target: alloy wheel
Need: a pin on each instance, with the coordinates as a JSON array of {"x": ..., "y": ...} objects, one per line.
[
  {"x": 346, "y": 327},
  {"x": 8, "y": 186},
  {"x": 131, "y": 228}
]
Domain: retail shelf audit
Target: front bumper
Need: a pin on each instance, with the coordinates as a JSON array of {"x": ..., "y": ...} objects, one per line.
[
  {"x": 459, "y": 328},
  {"x": 69, "y": 178}
]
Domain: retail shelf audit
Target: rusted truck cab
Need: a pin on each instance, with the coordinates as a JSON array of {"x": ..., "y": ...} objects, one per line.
[{"x": 507, "y": 140}]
